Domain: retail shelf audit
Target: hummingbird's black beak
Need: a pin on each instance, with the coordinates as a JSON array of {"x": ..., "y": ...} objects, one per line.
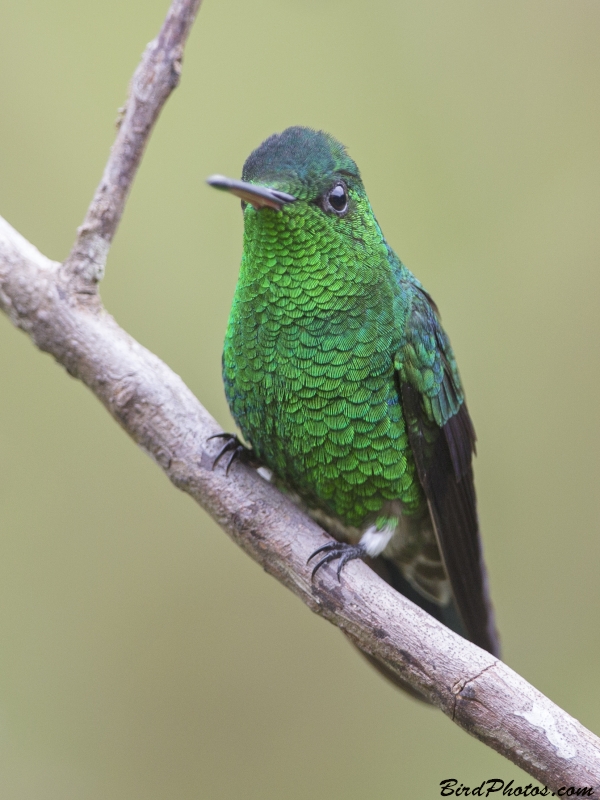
[{"x": 258, "y": 196}]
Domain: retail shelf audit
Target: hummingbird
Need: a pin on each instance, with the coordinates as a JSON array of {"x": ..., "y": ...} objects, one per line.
[{"x": 343, "y": 382}]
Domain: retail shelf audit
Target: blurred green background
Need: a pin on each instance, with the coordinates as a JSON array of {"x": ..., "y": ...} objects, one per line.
[{"x": 142, "y": 655}]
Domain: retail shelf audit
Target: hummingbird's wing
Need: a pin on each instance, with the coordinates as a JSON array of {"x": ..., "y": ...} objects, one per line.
[{"x": 442, "y": 439}]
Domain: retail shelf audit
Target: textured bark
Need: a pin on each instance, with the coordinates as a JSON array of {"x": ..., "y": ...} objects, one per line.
[
  {"x": 153, "y": 81},
  {"x": 59, "y": 308}
]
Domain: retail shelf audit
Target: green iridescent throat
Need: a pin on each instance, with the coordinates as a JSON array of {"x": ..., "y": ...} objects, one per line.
[{"x": 307, "y": 365}]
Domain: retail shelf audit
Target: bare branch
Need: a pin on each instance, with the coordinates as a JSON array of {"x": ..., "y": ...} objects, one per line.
[
  {"x": 51, "y": 303},
  {"x": 153, "y": 81}
]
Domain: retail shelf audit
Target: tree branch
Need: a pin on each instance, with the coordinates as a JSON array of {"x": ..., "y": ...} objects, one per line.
[
  {"x": 153, "y": 81},
  {"x": 59, "y": 308}
]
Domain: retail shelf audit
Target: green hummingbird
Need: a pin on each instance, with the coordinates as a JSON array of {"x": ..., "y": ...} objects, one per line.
[{"x": 343, "y": 381}]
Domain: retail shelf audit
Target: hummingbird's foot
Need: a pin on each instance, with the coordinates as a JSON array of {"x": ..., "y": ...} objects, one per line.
[
  {"x": 235, "y": 448},
  {"x": 345, "y": 552}
]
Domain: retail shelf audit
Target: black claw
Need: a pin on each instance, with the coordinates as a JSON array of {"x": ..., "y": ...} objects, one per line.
[
  {"x": 235, "y": 447},
  {"x": 344, "y": 560},
  {"x": 328, "y": 546},
  {"x": 345, "y": 552},
  {"x": 235, "y": 453},
  {"x": 230, "y": 444},
  {"x": 325, "y": 560}
]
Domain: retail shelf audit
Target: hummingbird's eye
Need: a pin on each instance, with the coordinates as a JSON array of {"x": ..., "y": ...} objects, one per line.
[{"x": 336, "y": 199}]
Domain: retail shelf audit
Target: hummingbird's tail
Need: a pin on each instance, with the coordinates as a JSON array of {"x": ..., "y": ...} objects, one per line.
[{"x": 446, "y": 614}]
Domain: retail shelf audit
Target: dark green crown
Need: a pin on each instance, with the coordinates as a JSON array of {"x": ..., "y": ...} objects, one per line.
[{"x": 298, "y": 156}]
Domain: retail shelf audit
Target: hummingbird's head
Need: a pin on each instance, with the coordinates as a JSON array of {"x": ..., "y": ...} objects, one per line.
[
  {"x": 309, "y": 165},
  {"x": 301, "y": 172}
]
